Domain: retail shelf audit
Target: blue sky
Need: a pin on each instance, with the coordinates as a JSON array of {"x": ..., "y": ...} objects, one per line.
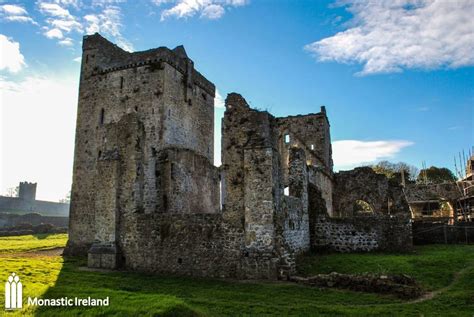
[{"x": 397, "y": 79}]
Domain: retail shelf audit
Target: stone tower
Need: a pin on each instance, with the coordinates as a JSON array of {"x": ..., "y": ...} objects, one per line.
[
  {"x": 141, "y": 117},
  {"x": 27, "y": 191}
]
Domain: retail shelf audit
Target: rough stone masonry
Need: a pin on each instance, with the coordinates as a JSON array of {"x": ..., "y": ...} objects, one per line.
[{"x": 146, "y": 195}]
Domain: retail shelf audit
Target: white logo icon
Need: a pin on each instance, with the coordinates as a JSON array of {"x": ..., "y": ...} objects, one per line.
[{"x": 13, "y": 292}]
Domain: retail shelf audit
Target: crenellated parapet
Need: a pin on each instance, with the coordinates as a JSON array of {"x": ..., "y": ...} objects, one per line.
[{"x": 105, "y": 57}]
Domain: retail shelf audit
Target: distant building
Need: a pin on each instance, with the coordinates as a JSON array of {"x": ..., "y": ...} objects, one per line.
[{"x": 26, "y": 203}]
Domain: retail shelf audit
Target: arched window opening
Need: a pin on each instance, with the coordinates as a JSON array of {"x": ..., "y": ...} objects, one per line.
[
  {"x": 287, "y": 138},
  {"x": 361, "y": 206}
]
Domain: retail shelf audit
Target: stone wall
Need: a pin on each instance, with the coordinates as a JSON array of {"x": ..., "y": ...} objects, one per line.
[
  {"x": 49, "y": 208},
  {"x": 363, "y": 234},
  {"x": 276, "y": 227},
  {"x": 363, "y": 184},
  {"x": 310, "y": 132},
  {"x": 324, "y": 182},
  {"x": 189, "y": 182}
]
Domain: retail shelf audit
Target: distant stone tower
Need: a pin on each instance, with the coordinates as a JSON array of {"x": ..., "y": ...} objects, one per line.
[
  {"x": 141, "y": 117},
  {"x": 27, "y": 191}
]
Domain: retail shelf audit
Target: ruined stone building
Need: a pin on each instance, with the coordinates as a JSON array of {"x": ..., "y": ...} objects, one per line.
[{"x": 146, "y": 195}]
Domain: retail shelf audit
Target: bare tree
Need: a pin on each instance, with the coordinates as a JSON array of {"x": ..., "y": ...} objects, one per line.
[{"x": 13, "y": 191}]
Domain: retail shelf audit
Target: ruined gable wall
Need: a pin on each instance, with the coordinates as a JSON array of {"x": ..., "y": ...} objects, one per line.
[
  {"x": 275, "y": 227},
  {"x": 364, "y": 184},
  {"x": 313, "y": 132}
]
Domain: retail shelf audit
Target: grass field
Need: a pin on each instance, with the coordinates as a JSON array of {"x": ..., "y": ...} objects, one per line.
[{"x": 132, "y": 294}]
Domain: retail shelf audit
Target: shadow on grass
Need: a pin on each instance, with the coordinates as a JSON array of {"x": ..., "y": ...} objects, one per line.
[
  {"x": 139, "y": 294},
  {"x": 129, "y": 294}
]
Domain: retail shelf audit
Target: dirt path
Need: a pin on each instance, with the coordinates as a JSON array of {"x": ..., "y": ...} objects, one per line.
[
  {"x": 35, "y": 253},
  {"x": 433, "y": 294}
]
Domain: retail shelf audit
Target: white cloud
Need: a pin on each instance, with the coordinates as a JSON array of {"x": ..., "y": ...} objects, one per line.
[
  {"x": 209, "y": 9},
  {"x": 101, "y": 3},
  {"x": 15, "y": 13},
  {"x": 38, "y": 150},
  {"x": 73, "y": 3},
  {"x": 219, "y": 102},
  {"x": 59, "y": 19},
  {"x": 54, "y": 34},
  {"x": 389, "y": 36},
  {"x": 13, "y": 9},
  {"x": 108, "y": 22},
  {"x": 66, "y": 42},
  {"x": 11, "y": 58},
  {"x": 78, "y": 59},
  {"x": 212, "y": 12},
  {"x": 350, "y": 153},
  {"x": 54, "y": 9},
  {"x": 18, "y": 18}
]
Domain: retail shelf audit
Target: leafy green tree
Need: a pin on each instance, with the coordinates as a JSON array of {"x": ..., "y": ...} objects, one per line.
[
  {"x": 436, "y": 175},
  {"x": 393, "y": 170}
]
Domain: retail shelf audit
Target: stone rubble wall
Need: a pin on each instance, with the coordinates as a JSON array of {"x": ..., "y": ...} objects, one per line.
[{"x": 363, "y": 234}]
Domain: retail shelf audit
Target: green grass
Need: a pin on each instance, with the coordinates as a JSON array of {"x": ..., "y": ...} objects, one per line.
[
  {"x": 431, "y": 265},
  {"x": 135, "y": 294},
  {"x": 31, "y": 242}
]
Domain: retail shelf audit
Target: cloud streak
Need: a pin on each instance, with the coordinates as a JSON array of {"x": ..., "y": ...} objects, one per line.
[
  {"x": 389, "y": 36},
  {"x": 350, "y": 153}
]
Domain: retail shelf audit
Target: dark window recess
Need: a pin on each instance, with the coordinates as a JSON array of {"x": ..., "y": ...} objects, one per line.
[
  {"x": 99, "y": 155},
  {"x": 87, "y": 59},
  {"x": 121, "y": 82},
  {"x": 102, "y": 116}
]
